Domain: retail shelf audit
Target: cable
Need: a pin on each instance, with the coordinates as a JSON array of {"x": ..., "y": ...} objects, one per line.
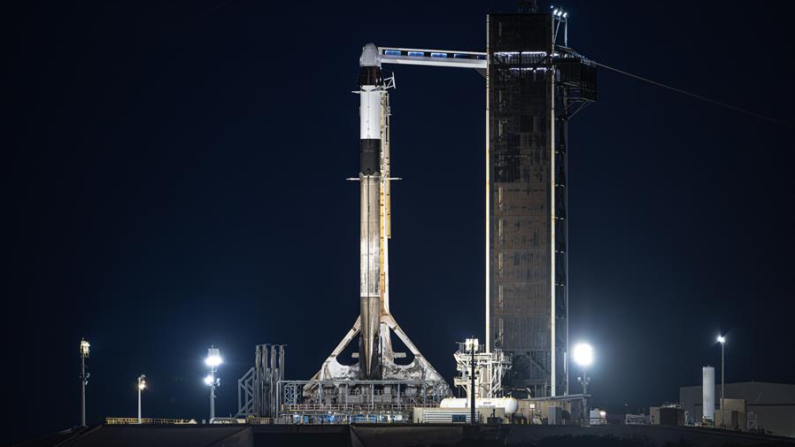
[{"x": 693, "y": 95}]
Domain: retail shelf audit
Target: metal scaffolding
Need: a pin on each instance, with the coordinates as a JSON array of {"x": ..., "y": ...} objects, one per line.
[
  {"x": 345, "y": 401},
  {"x": 489, "y": 369}
]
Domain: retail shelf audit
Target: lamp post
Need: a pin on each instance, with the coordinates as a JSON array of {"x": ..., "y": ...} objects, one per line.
[
  {"x": 213, "y": 360},
  {"x": 722, "y": 341},
  {"x": 84, "y": 351},
  {"x": 141, "y": 387},
  {"x": 583, "y": 356},
  {"x": 472, "y": 347}
]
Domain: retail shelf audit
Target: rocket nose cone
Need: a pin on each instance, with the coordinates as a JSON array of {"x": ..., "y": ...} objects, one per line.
[{"x": 370, "y": 56}]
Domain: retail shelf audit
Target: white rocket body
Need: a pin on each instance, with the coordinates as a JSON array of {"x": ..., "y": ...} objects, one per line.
[{"x": 370, "y": 97}]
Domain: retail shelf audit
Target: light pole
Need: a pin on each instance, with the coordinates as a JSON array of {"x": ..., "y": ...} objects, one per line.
[
  {"x": 472, "y": 347},
  {"x": 213, "y": 360},
  {"x": 84, "y": 350},
  {"x": 141, "y": 387},
  {"x": 722, "y": 341},
  {"x": 583, "y": 356}
]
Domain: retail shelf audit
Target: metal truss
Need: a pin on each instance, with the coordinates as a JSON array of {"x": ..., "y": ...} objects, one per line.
[
  {"x": 490, "y": 368},
  {"x": 350, "y": 397}
]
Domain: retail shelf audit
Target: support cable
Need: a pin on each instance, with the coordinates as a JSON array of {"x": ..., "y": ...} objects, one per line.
[{"x": 693, "y": 95}]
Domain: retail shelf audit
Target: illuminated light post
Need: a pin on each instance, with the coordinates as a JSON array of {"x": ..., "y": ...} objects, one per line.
[
  {"x": 583, "y": 356},
  {"x": 722, "y": 341},
  {"x": 141, "y": 387},
  {"x": 85, "y": 347},
  {"x": 213, "y": 360}
]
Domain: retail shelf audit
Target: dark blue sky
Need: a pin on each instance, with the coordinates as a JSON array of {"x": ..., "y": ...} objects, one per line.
[{"x": 174, "y": 177}]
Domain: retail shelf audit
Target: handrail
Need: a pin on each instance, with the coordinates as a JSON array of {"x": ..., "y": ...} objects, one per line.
[{"x": 148, "y": 421}]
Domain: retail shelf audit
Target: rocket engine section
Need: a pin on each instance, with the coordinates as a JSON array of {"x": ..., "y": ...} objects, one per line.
[{"x": 371, "y": 89}]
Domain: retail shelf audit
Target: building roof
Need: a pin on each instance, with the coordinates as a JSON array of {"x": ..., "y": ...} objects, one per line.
[{"x": 754, "y": 393}]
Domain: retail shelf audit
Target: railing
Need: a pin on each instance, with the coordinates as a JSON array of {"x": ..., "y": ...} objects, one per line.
[
  {"x": 148, "y": 421},
  {"x": 367, "y": 407},
  {"x": 254, "y": 420}
]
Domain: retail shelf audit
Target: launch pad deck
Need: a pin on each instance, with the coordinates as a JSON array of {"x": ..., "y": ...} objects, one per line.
[{"x": 403, "y": 435}]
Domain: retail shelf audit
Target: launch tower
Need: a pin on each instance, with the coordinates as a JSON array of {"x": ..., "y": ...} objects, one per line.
[{"x": 535, "y": 84}]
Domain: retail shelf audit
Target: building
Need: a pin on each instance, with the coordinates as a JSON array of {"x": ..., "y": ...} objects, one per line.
[
  {"x": 568, "y": 410},
  {"x": 535, "y": 84},
  {"x": 768, "y": 406}
]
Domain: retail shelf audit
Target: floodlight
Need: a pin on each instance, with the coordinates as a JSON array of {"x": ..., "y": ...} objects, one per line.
[
  {"x": 209, "y": 380},
  {"x": 213, "y": 357},
  {"x": 565, "y": 14},
  {"x": 472, "y": 344},
  {"x": 721, "y": 339},
  {"x": 213, "y": 361},
  {"x": 142, "y": 382},
  {"x": 555, "y": 12},
  {"x": 583, "y": 354},
  {"x": 84, "y": 347},
  {"x": 603, "y": 413}
]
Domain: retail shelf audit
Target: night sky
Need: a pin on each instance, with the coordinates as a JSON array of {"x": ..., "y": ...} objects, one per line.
[{"x": 174, "y": 177}]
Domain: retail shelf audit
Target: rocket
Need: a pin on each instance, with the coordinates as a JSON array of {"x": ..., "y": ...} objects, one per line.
[
  {"x": 375, "y": 324},
  {"x": 371, "y": 91}
]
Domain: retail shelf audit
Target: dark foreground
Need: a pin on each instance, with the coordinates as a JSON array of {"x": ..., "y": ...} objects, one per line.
[{"x": 400, "y": 436}]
